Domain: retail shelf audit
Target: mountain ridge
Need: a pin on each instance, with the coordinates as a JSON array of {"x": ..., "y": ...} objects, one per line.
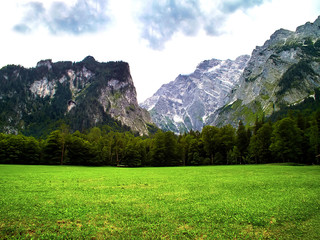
[
  {"x": 187, "y": 102},
  {"x": 82, "y": 94},
  {"x": 283, "y": 71}
]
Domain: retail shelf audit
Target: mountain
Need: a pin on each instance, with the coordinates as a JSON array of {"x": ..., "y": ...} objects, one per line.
[
  {"x": 82, "y": 94},
  {"x": 189, "y": 101},
  {"x": 281, "y": 73}
]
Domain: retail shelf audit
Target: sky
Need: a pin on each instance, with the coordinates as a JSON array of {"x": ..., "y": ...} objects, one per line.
[{"x": 160, "y": 39}]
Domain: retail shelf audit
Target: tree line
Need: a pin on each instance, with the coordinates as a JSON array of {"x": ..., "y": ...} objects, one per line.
[{"x": 295, "y": 138}]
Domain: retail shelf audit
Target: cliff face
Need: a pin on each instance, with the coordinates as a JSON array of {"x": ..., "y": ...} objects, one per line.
[
  {"x": 189, "y": 101},
  {"x": 282, "y": 72},
  {"x": 82, "y": 94}
]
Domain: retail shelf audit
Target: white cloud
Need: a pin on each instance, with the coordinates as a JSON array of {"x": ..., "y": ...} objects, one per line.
[
  {"x": 119, "y": 37},
  {"x": 82, "y": 16}
]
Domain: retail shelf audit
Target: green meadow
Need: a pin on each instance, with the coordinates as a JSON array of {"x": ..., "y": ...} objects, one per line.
[{"x": 210, "y": 202}]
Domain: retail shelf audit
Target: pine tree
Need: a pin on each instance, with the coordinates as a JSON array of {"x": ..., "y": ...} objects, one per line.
[
  {"x": 53, "y": 148},
  {"x": 242, "y": 141},
  {"x": 260, "y": 143},
  {"x": 158, "y": 149},
  {"x": 132, "y": 156},
  {"x": 286, "y": 141},
  {"x": 209, "y": 134}
]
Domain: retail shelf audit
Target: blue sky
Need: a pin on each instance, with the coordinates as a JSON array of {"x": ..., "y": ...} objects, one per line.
[{"x": 159, "y": 39}]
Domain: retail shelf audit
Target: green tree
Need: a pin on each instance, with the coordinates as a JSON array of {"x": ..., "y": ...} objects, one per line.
[
  {"x": 146, "y": 152},
  {"x": 225, "y": 141},
  {"x": 171, "y": 149},
  {"x": 81, "y": 152},
  {"x": 142, "y": 145},
  {"x": 286, "y": 141},
  {"x": 158, "y": 149},
  {"x": 94, "y": 135},
  {"x": 218, "y": 158},
  {"x": 132, "y": 156},
  {"x": 53, "y": 148},
  {"x": 194, "y": 157},
  {"x": 190, "y": 144},
  {"x": 31, "y": 151},
  {"x": 64, "y": 132},
  {"x": 260, "y": 143},
  {"x": 164, "y": 150},
  {"x": 242, "y": 141},
  {"x": 208, "y": 135},
  {"x": 117, "y": 148},
  {"x": 258, "y": 124},
  {"x": 314, "y": 142},
  {"x": 233, "y": 155},
  {"x": 3, "y": 147},
  {"x": 19, "y": 149}
]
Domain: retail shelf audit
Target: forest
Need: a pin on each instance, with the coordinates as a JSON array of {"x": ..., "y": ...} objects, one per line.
[{"x": 292, "y": 138}]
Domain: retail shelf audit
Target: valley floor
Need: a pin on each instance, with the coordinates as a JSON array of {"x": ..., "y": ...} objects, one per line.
[{"x": 211, "y": 202}]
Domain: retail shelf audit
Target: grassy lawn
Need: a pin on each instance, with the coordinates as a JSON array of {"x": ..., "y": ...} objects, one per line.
[{"x": 214, "y": 202}]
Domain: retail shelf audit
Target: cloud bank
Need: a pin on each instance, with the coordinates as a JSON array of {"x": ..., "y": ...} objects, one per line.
[
  {"x": 161, "y": 19},
  {"x": 82, "y": 17}
]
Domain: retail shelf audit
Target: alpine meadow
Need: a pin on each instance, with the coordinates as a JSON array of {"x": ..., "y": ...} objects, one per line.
[{"x": 273, "y": 201}]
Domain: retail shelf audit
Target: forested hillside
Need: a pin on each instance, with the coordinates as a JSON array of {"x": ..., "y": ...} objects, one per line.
[
  {"x": 294, "y": 137},
  {"x": 84, "y": 94}
]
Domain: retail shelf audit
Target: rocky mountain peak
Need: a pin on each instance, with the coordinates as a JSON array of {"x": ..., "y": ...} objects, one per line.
[
  {"x": 82, "y": 94},
  {"x": 47, "y": 63},
  {"x": 189, "y": 101},
  {"x": 279, "y": 35},
  {"x": 282, "y": 72},
  {"x": 310, "y": 29},
  {"x": 207, "y": 64}
]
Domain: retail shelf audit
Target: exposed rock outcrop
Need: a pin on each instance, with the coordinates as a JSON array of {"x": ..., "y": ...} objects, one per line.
[
  {"x": 189, "y": 101},
  {"x": 82, "y": 94},
  {"x": 282, "y": 72}
]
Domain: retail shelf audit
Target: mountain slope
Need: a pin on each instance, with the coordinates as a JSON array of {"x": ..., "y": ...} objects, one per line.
[
  {"x": 187, "y": 102},
  {"x": 82, "y": 94},
  {"x": 282, "y": 72}
]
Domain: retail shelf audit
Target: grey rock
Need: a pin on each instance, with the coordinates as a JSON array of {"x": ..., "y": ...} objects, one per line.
[
  {"x": 83, "y": 94},
  {"x": 261, "y": 89},
  {"x": 284, "y": 71},
  {"x": 187, "y": 102}
]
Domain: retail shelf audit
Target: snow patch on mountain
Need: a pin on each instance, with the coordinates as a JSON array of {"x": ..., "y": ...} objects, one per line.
[{"x": 188, "y": 102}]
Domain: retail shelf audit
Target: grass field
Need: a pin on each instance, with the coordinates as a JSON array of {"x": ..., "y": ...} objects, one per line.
[{"x": 214, "y": 202}]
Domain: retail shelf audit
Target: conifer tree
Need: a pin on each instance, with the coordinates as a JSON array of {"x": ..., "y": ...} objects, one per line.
[
  {"x": 286, "y": 141},
  {"x": 242, "y": 141},
  {"x": 209, "y": 134}
]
